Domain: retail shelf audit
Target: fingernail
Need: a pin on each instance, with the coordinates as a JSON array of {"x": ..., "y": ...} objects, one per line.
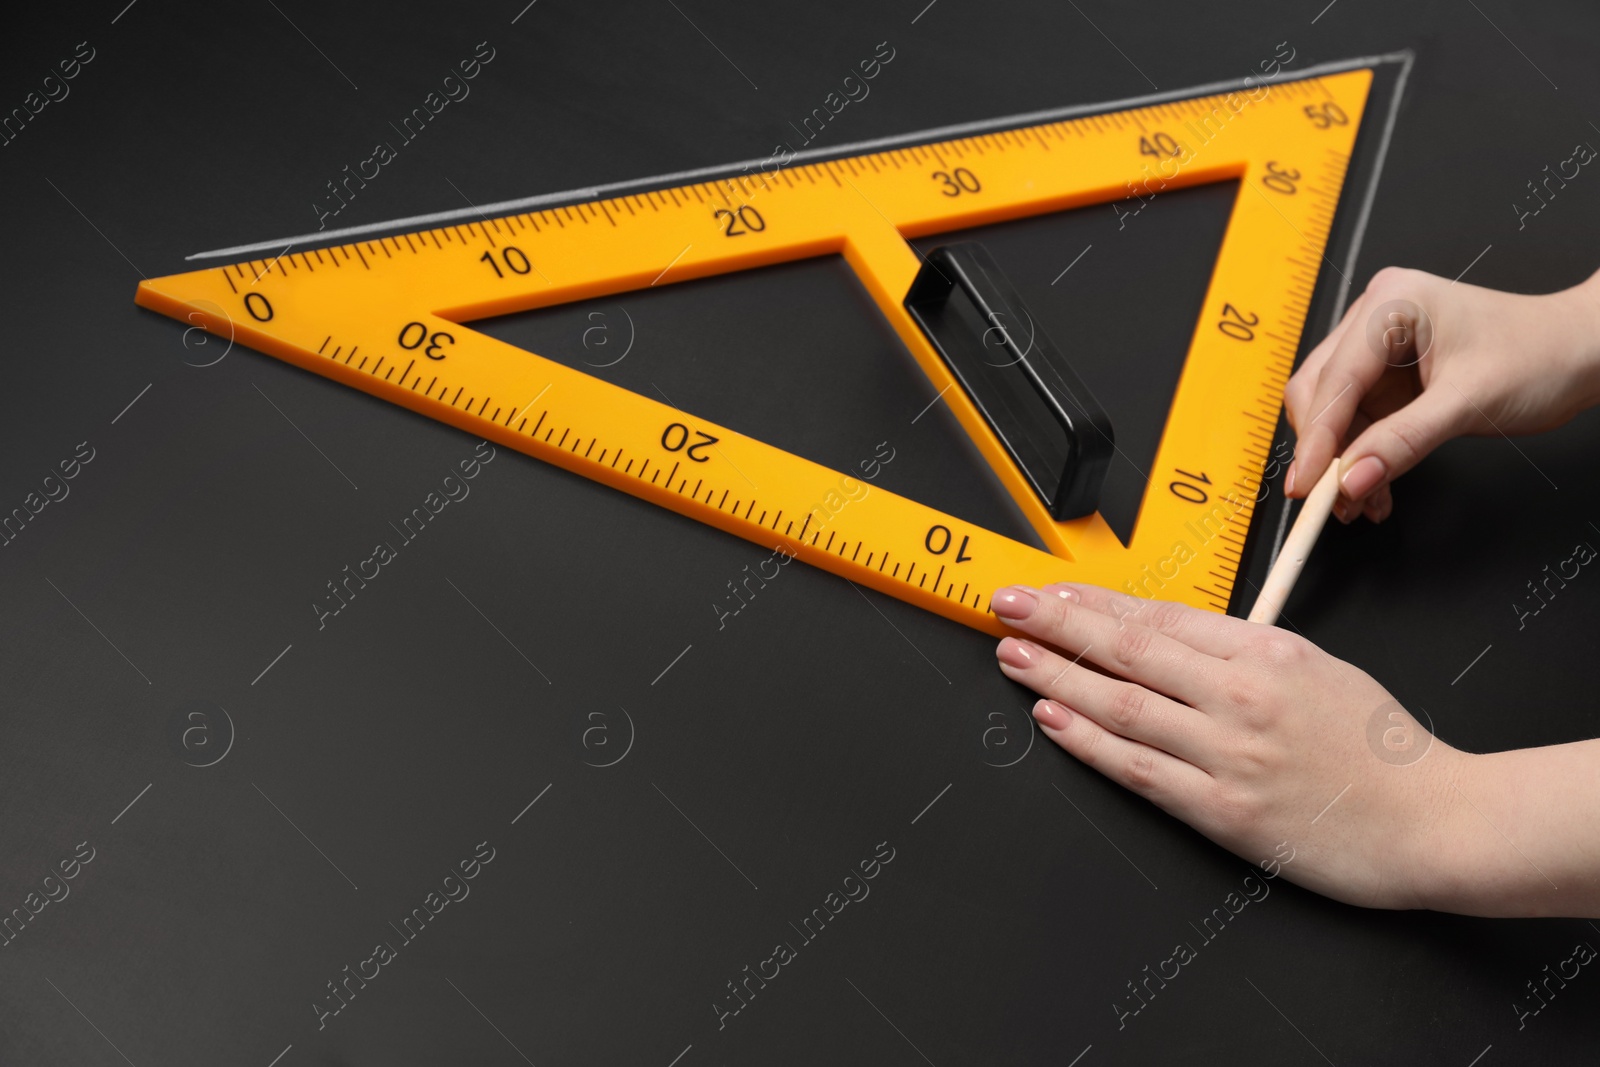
[
  {"x": 1050, "y": 715},
  {"x": 1014, "y": 652},
  {"x": 1341, "y": 511},
  {"x": 1288, "y": 482},
  {"x": 1014, "y": 602},
  {"x": 1362, "y": 477},
  {"x": 1064, "y": 591}
]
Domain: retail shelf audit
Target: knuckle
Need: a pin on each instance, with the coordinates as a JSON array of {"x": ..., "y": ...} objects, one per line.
[
  {"x": 1279, "y": 650},
  {"x": 1411, "y": 438},
  {"x": 1166, "y": 617},
  {"x": 1127, "y": 708},
  {"x": 1125, "y": 608},
  {"x": 1133, "y": 644},
  {"x": 1086, "y": 744},
  {"x": 1140, "y": 770},
  {"x": 1390, "y": 279},
  {"x": 1295, "y": 397},
  {"x": 1233, "y": 807},
  {"x": 1245, "y": 691}
]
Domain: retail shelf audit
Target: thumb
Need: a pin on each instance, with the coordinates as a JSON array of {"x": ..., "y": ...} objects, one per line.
[{"x": 1396, "y": 443}]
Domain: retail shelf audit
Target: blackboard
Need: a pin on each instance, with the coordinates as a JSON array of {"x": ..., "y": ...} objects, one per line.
[{"x": 649, "y": 797}]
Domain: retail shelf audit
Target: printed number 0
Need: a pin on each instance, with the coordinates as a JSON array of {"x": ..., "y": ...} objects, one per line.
[{"x": 259, "y": 307}]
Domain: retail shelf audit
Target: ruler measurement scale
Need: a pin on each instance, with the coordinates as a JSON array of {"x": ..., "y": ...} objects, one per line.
[{"x": 385, "y": 316}]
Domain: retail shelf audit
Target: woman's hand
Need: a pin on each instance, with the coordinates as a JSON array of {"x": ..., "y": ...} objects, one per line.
[
  {"x": 1417, "y": 360},
  {"x": 1256, "y": 737},
  {"x": 1248, "y": 733}
]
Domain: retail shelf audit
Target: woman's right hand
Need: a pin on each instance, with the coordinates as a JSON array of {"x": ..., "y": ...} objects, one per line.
[{"x": 1417, "y": 360}]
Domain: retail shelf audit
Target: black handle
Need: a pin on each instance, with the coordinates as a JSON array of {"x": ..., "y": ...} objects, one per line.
[{"x": 1051, "y": 424}]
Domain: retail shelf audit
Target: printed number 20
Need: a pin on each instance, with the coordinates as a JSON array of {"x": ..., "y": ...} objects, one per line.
[
  {"x": 676, "y": 436},
  {"x": 741, "y": 221}
]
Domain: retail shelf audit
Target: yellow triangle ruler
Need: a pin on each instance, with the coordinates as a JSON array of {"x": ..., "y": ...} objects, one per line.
[{"x": 386, "y": 316}]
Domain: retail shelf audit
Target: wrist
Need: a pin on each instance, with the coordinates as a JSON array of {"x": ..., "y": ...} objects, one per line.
[
  {"x": 1448, "y": 870},
  {"x": 1581, "y": 306},
  {"x": 1516, "y": 836}
]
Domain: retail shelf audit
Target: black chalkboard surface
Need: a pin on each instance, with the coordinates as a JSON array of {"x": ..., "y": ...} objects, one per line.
[{"x": 531, "y": 797}]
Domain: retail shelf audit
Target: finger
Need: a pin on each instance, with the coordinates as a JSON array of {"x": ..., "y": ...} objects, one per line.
[
  {"x": 1297, "y": 394},
  {"x": 1347, "y": 509},
  {"x": 1349, "y": 372},
  {"x": 1358, "y": 422},
  {"x": 1344, "y": 381},
  {"x": 1204, "y": 631},
  {"x": 1176, "y": 787},
  {"x": 1134, "y": 652},
  {"x": 1126, "y": 709},
  {"x": 1379, "y": 505},
  {"x": 1394, "y": 444}
]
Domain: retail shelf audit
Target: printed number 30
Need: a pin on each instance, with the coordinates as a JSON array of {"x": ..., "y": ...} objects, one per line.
[{"x": 958, "y": 181}]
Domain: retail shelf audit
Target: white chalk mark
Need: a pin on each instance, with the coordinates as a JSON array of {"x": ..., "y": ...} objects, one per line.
[
  {"x": 273, "y": 664},
  {"x": 132, "y": 402},
  {"x": 931, "y": 803},
  {"x": 131, "y": 803},
  {"x": 531, "y": 803}
]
